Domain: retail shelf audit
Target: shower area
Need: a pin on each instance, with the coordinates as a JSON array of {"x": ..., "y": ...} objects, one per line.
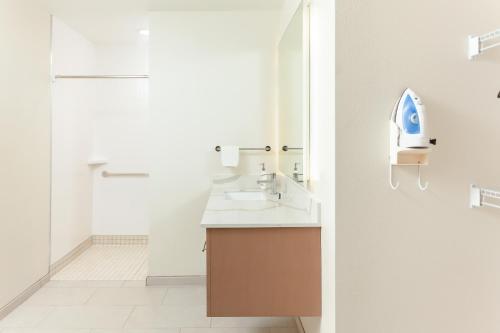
[{"x": 99, "y": 224}]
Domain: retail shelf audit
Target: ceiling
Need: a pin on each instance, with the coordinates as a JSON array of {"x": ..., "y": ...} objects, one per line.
[
  {"x": 215, "y": 4},
  {"x": 118, "y": 21},
  {"x": 104, "y": 21}
]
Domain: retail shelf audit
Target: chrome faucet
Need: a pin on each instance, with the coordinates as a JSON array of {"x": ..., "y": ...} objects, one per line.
[{"x": 270, "y": 181}]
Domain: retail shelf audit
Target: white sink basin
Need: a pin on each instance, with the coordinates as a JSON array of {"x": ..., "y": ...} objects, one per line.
[{"x": 245, "y": 195}]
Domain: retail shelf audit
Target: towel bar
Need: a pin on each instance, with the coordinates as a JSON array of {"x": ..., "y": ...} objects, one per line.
[
  {"x": 266, "y": 148},
  {"x": 286, "y": 148}
]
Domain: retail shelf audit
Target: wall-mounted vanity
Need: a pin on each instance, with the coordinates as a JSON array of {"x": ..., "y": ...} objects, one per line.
[{"x": 263, "y": 253}]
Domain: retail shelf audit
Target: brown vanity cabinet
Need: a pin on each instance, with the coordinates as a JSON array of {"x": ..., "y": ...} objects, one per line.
[{"x": 263, "y": 272}]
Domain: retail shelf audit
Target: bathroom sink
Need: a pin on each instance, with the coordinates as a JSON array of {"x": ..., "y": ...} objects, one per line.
[{"x": 245, "y": 195}]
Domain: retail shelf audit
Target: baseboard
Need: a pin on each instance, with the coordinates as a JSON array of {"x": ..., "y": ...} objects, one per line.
[
  {"x": 53, "y": 269},
  {"x": 300, "y": 326},
  {"x": 27, "y": 293},
  {"x": 175, "y": 280},
  {"x": 64, "y": 261}
]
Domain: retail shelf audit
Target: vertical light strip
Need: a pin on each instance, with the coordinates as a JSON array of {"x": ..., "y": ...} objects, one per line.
[
  {"x": 306, "y": 74},
  {"x": 51, "y": 94}
]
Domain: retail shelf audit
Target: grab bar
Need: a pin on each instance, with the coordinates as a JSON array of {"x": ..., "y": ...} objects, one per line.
[{"x": 124, "y": 174}]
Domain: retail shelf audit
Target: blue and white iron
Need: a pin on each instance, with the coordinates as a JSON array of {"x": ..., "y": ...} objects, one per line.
[
  {"x": 409, "y": 142},
  {"x": 409, "y": 120}
]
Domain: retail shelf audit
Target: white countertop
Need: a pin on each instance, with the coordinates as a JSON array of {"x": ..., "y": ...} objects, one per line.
[{"x": 271, "y": 213}]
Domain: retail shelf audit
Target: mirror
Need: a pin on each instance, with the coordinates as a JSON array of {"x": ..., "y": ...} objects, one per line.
[{"x": 294, "y": 97}]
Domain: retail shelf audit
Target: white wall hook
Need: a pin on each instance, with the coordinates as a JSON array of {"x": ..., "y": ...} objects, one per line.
[
  {"x": 479, "y": 195},
  {"x": 394, "y": 187},
  {"x": 419, "y": 182},
  {"x": 479, "y": 44}
]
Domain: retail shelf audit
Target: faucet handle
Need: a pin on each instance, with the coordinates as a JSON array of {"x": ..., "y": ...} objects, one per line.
[{"x": 263, "y": 166}]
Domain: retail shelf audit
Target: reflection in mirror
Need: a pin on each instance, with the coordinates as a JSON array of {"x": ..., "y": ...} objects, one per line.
[{"x": 294, "y": 99}]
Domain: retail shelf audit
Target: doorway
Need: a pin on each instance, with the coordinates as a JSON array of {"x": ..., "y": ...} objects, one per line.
[{"x": 99, "y": 225}]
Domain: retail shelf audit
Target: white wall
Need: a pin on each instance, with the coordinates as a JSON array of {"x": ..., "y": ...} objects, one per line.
[
  {"x": 322, "y": 135},
  {"x": 212, "y": 83},
  {"x": 24, "y": 145},
  {"x": 73, "y": 107},
  {"x": 121, "y": 136},
  {"x": 411, "y": 261},
  {"x": 323, "y": 162}
]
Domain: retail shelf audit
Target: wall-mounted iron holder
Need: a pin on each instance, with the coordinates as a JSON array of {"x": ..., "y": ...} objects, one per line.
[
  {"x": 409, "y": 146},
  {"x": 286, "y": 148},
  {"x": 266, "y": 148},
  {"x": 399, "y": 156}
]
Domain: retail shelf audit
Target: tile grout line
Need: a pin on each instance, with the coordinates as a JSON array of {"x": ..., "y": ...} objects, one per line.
[
  {"x": 128, "y": 317},
  {"x": 167, "y": 289},
  {"x": 52, "y": 309},
  {"x": 139, "y": 268},
  {"x": 90, "y": 297}
]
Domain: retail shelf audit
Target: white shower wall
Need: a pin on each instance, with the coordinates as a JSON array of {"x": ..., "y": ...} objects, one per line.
[
  {"x": 97, "y": 118},
  {"x": 121, "y": 134}
]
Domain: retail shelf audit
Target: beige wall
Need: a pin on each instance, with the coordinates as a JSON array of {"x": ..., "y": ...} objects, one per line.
[
  {"x": 24, "y": 145},
  {"x": 411, "y": 261}
]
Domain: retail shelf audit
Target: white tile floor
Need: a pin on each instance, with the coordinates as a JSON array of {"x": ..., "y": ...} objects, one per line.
[
  {"x": 108, "y": 262},
  {"x": 127, "y": 307}
]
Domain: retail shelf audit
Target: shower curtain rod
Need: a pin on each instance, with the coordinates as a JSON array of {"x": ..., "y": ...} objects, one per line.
[{"x": 101, "y": 77}]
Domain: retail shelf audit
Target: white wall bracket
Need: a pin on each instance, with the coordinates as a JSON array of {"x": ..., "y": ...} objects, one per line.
[
  {"x": 478, "y": 195},
  {"x": 419, "y": 182},
  {"x": 479, "y": 44},
  {"x": 394, "y": 187},
  {"x": 399, "y": 156},
  {"x": 421, "y": 186}
]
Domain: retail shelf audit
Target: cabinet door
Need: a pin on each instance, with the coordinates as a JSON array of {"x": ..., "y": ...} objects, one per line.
[{"x": 264, "y": 272}]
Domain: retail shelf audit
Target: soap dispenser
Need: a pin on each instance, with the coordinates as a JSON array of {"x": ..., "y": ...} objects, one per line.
[
  {"x": 296, "y": 174},
  {"x": 262, "y": 175}
]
